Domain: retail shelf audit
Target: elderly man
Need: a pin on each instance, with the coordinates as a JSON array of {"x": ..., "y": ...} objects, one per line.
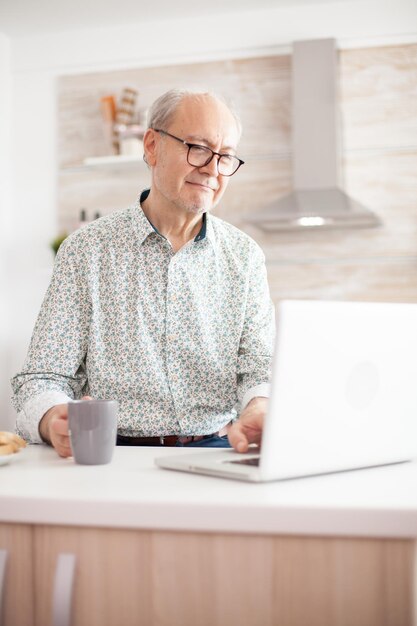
[{"x": 161, "y": 306}]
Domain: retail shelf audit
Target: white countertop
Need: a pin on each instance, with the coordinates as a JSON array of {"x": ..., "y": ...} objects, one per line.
[{"x": 37, "y": 486}]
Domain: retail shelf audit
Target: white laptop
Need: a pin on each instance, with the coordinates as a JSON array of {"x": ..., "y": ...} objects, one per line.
[{"x": 343, "y": 396}]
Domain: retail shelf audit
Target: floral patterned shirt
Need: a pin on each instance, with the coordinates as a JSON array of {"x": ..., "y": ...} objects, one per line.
[{"x": 179, "y": 339}]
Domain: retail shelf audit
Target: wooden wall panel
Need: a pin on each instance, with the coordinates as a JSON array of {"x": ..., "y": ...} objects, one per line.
[
  {"x": 98, "y": 190},
  {"x": 384, "y": 281},
  {"x": 378, "y": 96},
  {"x": 260, "y": 89},
  {"x": 378, "y": 103}
]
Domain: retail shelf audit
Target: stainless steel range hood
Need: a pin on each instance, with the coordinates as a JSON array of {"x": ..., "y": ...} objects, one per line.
[{"x": 317, "y": 201}]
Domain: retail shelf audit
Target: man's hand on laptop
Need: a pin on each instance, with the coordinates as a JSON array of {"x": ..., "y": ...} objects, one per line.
[{"x": 248, "y": 428}]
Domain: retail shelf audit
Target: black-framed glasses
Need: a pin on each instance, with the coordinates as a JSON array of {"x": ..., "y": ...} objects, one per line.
[{"x": 199, "y": 156}]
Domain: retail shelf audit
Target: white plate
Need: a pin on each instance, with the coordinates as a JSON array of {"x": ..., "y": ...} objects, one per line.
[{"x": 6, "y": 458}]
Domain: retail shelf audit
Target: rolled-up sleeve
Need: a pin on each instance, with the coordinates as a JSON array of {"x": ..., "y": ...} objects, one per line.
[
  {"x": 54, "y": 369},
  {"x": 257, "y": 340}
]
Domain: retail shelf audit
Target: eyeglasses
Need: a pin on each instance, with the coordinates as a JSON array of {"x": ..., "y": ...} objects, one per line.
[{"x": 199, "y": 156}]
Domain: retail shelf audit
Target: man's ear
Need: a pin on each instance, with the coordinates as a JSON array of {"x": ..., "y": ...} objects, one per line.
[{"x": 149, "y": 146}]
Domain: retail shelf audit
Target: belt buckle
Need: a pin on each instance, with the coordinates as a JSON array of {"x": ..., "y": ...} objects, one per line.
[
  {"x": 186, "y": 439},
  {"x": 165, "y": 440}
]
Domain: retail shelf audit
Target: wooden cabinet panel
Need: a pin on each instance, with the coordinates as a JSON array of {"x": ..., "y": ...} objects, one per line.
[
  {"x": 149, "y": 578},
  {"x": 218, "y": 580},
  {"x": 18, "y": 598},
  {"x": 112, "y": 575}
]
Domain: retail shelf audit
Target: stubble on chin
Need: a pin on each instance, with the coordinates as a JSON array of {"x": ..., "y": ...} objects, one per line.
[{"x": 196, "y": 208}]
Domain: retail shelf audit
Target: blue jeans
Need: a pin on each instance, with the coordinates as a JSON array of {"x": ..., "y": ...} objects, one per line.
[{"x": 211, "y": 442}]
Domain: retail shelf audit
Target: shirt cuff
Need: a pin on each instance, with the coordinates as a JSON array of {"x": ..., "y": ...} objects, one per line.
[
  {"x": 263, "y": 390},
  {"x": 27, "y": 423}
]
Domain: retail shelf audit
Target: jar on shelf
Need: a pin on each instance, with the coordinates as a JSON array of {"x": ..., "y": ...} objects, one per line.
[{"x": 130, "y": 139}]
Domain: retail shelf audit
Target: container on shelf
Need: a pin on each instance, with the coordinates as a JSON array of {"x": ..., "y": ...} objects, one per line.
[{"x": 130, "y": 139}]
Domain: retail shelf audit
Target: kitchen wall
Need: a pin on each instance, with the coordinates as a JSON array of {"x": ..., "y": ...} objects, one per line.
[
  {"x": 378, "y": 90},
  {"x": 29, "y": 190},
  {"x": 5, "y": 205}
]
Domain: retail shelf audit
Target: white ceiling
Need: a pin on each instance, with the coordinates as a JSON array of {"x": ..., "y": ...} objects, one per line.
[{"x": 30, "y": 17}]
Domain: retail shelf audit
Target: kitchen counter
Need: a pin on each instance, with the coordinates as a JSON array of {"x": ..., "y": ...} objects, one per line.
[{"x": 38, "y": 487}]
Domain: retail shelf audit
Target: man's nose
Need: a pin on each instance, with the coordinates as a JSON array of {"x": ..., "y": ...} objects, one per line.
[{"x": 212, "y": 167}]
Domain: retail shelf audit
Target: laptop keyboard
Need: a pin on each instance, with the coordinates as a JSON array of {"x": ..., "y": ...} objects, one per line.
[{"x": 253, "y": 461}]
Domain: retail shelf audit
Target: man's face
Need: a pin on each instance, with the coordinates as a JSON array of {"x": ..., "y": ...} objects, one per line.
[{"x": 205, "y": 121}]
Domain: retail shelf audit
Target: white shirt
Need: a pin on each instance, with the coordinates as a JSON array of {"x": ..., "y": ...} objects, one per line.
[{"x": 179, "y": 339}]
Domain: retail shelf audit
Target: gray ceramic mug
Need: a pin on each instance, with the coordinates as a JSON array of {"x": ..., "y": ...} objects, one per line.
[{"x": 93, "y": 430}]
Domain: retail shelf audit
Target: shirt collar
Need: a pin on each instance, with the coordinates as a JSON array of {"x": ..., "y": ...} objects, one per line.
[
  {"x": 146, "y": 228},
  {"x": 143, "y": 226}
]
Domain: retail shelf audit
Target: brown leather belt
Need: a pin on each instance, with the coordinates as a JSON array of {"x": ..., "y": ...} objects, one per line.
[{"x": 166, "y": 440}]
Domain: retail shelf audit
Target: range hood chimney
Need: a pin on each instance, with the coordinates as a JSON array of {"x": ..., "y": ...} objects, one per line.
[{"x": 316, "y": 201}]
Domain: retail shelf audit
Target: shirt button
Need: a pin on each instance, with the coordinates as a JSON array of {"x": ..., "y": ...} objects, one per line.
[
  {"x": 174, "y": 378},
  {"x": 171, "y": 337},
  {"x": 173, "y": 298}
]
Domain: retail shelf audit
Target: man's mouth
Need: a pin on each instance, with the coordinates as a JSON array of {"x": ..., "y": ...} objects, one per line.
[{"x": 201, "y": 185}]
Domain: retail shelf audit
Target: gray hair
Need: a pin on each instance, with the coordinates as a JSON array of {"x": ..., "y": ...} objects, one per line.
[{"x": 163, "y": 109}]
